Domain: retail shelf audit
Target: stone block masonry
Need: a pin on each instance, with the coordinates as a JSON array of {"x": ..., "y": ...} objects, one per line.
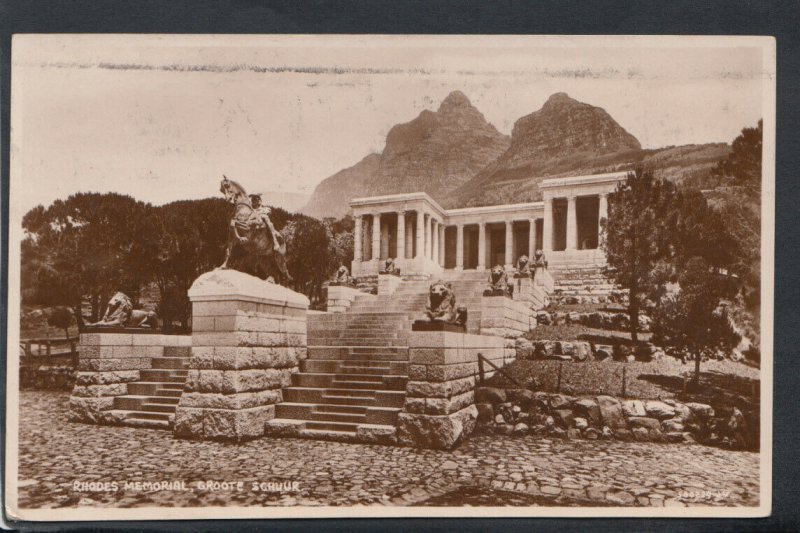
[
  {"x": 341, "y": 297},
  {"x": 248, "y": 337},
  {"x": 506, "y": 318},
  {"x": 107, "y": 363},
  {"x": 439, "y": 410}
]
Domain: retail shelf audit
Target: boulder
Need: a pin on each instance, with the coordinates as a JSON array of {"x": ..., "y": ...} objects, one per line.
[
  {"x": 633, "y": 408},
  {"x": 673, "y": 437},
  {"x": 682, "y": 412},
  {"x": 437, "y": 432},
  {"x": 559, "y": 318},
  {"x": 582, "y": 351},
  {"x": 541, "y": 400},
  {"x": 522, "y": 397},
  {"x": 485, "y": 413},
  {"x": 603, "y": 352},
  {"x": 608, "y": 433},
  {"x": 574, "y": 317},
  {"x": 588, "y": 410},
  {"x": 549, "y": 422},
  {"x": 644, "y": 323},
  {"x": 491, "y": 395},
  {"x": 592, "y": 433},
  {"x": 542, "y": 349},
  {"x": 700, "y": 410},
  {"x": 503, "y": 429},
  {"x": 573, "y": 433},
  {"x": 595, "y": 320},
  {"x": 580, "y": 423},
  {"x": 505, "y": 410},
  {"x": 621, "y": 352},
  {"x": 641, "y": 434},
  {"x": 524, "y": 348},
  {"x": 672, "y": 425},
  {"x": 660, "y": 410},
  {"x": 565, "y": 348},
  {"x": 623, "y": 434},
  {"x": 520, "y": 429},
  {"x": 558, "y": 432},
  {"x": 516, "y": 410},
  {"x": 538, "y": 429},
  {"x": 543, "y": 318},
  {"x": 563, "y": 418},
  {"x": 644, "y": 422},
  {"x": 499, "y": 419},
  {"x": 560, "y": 401},
  {"x": 611, "y": 412}
]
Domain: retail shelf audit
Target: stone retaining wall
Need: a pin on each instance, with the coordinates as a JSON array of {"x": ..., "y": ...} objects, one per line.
[
  {"x": 388, "y": 283},
  {"x": 248, "y": 338},
  {"x": 439, "y": 410},
  {"x": 107, "y": 362},
  {"x": 506, "y": 318}
]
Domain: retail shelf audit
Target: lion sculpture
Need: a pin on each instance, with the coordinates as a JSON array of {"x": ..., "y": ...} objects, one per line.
[
  {"x": 498, "y": 282},
  {"x": 120, "y": 313},
  {"x": 523, "y": 265},
  {"x": 343, "y": 277},
  {"x": 442, "y": 305},
  {"x": 389, "y": 267}
]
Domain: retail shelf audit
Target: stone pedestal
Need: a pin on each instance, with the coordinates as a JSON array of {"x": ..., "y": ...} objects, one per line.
[
  {"x": 341, "y": 297},
  {"x": 440, "y": 411},
  {"x": 542, "y": 278},
  {"x": 109, "y": 359},
  {"x": 388, "y": 283},
  {"x": 248, "y": 336},
  {"x": 528, "y": 292}
]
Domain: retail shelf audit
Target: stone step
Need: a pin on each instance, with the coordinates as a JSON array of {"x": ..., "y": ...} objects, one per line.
[
  {"x": 169, "y": 363},
  {"x": 332, "y": 426},
  {"x": 177, "y": 351},
  {"x": 329, "y": 341},
  {"x": 353, "y": 381},
  {"x": 159, "y": 407},
  {"x": 337, "y": 413},
  {"x": 143, "y": 419},
  {"x": 154, "y": 388},
  {"x": 164, "y": 375}
]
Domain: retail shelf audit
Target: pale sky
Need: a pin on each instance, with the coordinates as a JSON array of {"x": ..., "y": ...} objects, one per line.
[{"x": 163, "y": 117}]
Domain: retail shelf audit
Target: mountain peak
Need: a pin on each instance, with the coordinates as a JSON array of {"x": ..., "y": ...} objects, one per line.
[
  {"x": 559, "y": 98},
  {"x": 453, "y": 100}
]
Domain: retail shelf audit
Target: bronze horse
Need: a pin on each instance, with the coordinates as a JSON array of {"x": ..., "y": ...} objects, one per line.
[{"x": 247, "y": 226}]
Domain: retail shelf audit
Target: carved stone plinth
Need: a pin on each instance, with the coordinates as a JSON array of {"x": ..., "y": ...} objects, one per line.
[{"x": 248, "y": 336}]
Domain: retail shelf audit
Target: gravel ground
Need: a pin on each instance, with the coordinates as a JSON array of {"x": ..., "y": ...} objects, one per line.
[{"x": 56, "y": 456}]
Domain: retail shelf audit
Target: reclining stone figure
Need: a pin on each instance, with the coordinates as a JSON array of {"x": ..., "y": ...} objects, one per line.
[{"x": 120, "y": 313}]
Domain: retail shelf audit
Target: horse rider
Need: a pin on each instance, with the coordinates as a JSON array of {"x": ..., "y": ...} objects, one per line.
[{"x": 260, "y": 218}]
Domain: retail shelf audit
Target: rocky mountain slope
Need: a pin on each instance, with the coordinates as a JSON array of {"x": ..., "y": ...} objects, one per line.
[
  {"x": 454, "y": 155},
  {"x": 436, "y": 152}
]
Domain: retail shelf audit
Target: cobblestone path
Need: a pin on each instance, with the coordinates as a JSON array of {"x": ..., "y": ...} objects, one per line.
[{"x": 56, "y": 453}]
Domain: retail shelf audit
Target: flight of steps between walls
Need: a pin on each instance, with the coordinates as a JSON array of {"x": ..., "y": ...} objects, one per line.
[
  {"x": 352, "y": 385},
  {"x": 587, "y": 284},
  {"x": 151, "y": 401}
]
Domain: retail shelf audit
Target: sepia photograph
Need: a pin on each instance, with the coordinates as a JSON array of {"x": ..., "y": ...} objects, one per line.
[{"x": 316, "y": 276}]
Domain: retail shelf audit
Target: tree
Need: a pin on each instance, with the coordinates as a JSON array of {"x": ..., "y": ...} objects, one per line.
[
  {"x": 696, "y": 320},
  {"x": 60, "y": 317},
  {"x": 743, "y": 166},
  {"x": 308, "y": 255},
  {"x": 636, "y": 238},
  {"x": 88, "y": 245}
]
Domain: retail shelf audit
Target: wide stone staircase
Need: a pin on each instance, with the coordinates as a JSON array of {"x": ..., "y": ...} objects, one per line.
[
  {"x": 151, "y": 401},
  {"x": 352, "y": 385},
  {"x": 586, "y": 284}
]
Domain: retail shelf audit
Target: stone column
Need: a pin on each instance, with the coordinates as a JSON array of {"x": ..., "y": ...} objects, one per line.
[
  {"x": 409, "y": 238},
  {"x": 434, "y": 240},
  {"x": 509, "y": 259},
  {"x": 420, "y": 234},
  {"x": 482, "y": 246},
  {"x": 357, "y": 239},
  {"x": 547, "y": 226},
  {"x": 385, "y": 240},
  {"x": 602, "y": 212},
  {"x": 426, "y": 228},
  {"x": 376, "y": 236},
  {"x": 531, "y": 238},
  {"x": 460, "y": 247},
  {"x": 441, "y": 245},
  {"x": 572, "y": 224},
  {"x": 401, "y": 235},
  {"x": 248, "y": 337}
]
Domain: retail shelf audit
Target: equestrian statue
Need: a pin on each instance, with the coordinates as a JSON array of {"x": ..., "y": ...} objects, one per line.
[{"x": 251, "y": 224}]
